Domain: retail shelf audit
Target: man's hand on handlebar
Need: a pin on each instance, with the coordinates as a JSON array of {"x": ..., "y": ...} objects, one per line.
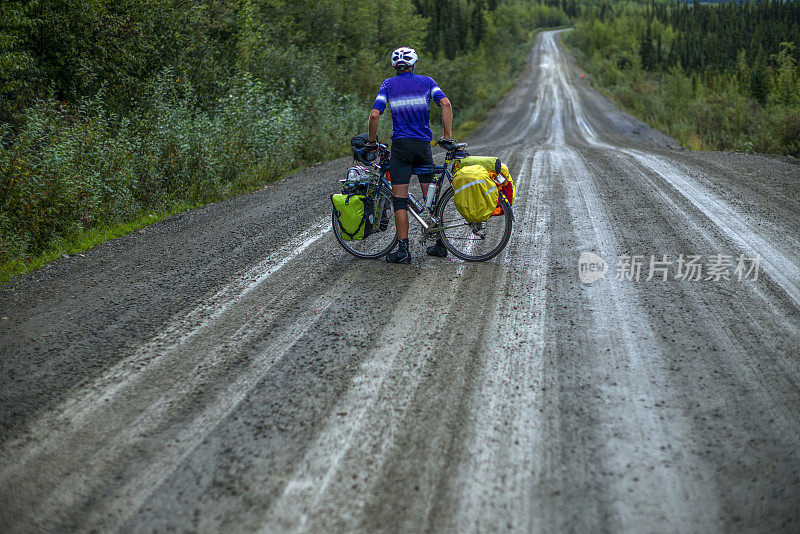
[
  {"x": 447, "y": 144},
  {"x": 374, "y": 144},
  {"x": 369, "y": 152}
]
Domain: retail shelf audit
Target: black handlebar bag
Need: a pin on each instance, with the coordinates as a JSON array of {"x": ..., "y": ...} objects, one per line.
[
  {"x": 359, "y": 141},
  {"x": 361, "y": 152}
]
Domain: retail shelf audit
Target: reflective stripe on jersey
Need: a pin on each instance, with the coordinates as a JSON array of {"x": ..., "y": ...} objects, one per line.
[{"x": 409, "y": 97}]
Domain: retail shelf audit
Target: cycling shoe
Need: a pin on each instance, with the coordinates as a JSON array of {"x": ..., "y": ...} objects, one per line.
[
  {"x": 437, "y": 249},
  {"x": 401, "y": 255}
]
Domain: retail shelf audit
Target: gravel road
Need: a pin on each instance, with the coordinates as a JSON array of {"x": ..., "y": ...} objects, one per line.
[{"x": 233, "y": 369}]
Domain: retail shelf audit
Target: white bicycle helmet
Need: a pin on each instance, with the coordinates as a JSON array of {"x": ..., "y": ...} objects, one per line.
[{"x": 404, "y": 57}]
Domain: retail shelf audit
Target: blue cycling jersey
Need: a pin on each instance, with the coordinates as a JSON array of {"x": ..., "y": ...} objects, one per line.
[{"x": 409, "y": 96}]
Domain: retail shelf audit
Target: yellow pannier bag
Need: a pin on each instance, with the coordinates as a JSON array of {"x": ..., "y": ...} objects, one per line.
[
  {"x": 475, "y": 193},
  {"x": 487, "y": 162},
  {"x": 507, "y": 186}
]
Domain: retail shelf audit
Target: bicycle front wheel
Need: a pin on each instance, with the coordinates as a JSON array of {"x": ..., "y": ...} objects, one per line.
[
  {"x": 382, "y": 239},
  {"x": 473, "y": 241}
]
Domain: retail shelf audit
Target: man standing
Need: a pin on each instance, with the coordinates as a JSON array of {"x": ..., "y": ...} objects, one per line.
[{"x": 409, "y": 97}]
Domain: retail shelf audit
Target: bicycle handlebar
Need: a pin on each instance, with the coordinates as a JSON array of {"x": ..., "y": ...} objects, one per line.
[
  {"x": 450, "y": 145},
  {"x": 368, "y": 154}
]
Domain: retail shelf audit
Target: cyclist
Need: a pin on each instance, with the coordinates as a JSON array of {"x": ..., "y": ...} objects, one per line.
[{"x": 409, "y": 97}]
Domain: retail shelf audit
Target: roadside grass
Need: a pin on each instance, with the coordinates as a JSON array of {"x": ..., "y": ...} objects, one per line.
[
  {"x": 84, "y": 240},
  {"x": 81, "y": 241}
]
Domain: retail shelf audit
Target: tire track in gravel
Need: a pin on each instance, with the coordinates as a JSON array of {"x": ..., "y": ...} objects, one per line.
[
  {"x": 730, "y": 360},
  {"x": 501, "y": 436},
  {"x": 431, "y": 451},
  {"x": 682, "y": 503},
  {"x": 371, "y": 428},
  {"x": 311, "y": 489},
  {"x": 148, "y": 359},
  {"x": 785, "y": 271},
  {"x": 729, "y": 357},
  {"x": 142, "y": 393}
]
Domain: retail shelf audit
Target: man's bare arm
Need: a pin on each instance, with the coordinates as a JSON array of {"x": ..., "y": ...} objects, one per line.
[
  {"x": 447, "y": 117},
  {"x": 374, "y": 116}
]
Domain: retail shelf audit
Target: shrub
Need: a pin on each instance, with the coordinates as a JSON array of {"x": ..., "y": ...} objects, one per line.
[{"x": 71, "y": 169}]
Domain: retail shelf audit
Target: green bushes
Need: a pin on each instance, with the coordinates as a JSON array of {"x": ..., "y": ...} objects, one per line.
[{"x": 69, "y": 169}]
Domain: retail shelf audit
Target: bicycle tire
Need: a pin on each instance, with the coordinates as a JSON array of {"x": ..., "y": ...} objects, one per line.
[
  {"x": 454, "y": 238},
  {"x": 377, "y": 244}
]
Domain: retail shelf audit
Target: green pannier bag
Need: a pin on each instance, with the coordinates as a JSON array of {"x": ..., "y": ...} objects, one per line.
[
  {"x": 475, "y": 193},
  {"x": 356, "y": 215}
]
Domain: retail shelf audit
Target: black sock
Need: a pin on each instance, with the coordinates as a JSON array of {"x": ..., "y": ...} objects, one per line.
[{"x": 403, "y": 244}]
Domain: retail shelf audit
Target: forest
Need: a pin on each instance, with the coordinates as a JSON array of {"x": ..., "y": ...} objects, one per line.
[
  {"x": 115, "y": 113},
  {"x": 714, "y": 76}
]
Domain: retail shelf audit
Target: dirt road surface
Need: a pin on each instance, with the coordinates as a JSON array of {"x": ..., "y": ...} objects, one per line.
[{"x": 233, "y": 369}]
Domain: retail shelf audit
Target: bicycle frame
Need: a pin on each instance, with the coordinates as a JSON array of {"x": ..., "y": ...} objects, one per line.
[{"x": 440, "y": 172}]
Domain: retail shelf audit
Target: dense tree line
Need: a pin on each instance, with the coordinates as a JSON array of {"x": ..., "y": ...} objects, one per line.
[
  {"x": 114, "y": 108},
  {"x": 69, "y": 49},
  {"x": 725, "y": 37},
  {"x": 714, "y": 76}
]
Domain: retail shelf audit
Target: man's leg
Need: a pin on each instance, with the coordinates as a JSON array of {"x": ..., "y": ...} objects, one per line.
[
  {"x": 401, "y": 169},
  {"x": 401, "y": 215},
  {"x": 400, "y": 200},
  {"x": 426, "y": 158}
]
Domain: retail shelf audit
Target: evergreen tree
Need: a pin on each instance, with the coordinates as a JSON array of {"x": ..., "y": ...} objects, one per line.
[{"x": 646, "y": 52}]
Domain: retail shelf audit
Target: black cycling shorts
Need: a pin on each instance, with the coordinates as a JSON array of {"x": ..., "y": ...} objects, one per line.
[{"x": 407, "y": 154}]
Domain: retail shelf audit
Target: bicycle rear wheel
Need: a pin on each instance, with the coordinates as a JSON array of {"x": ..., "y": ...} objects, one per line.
[
  {"x": 473, "y": 241},
  {"x": 384, "y": 237}
]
